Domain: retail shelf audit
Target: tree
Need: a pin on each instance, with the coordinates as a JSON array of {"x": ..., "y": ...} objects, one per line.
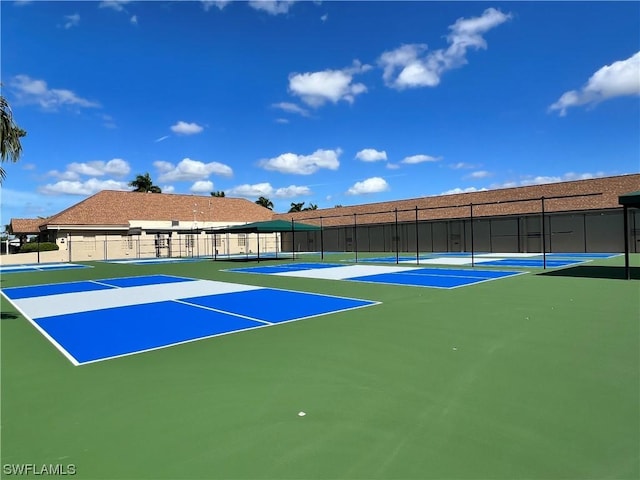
[
  {"x": 265, "y": 202},
  {"x": 10, "y": 135},
  {"x": 312, "y": 206},
  {"x": 296, "y": 207},
  {"x": 218, "y": 193},
  {"x": 337, "y": 206},
  {"x": 143, "y": 183}
]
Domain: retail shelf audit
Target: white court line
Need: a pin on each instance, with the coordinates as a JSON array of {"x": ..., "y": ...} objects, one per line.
[
  {"x": 266, "y": 325},
  {"x": 59, "y": 347},
  {"x": 507, "y": 255},
  {"x": 217, "y": 310},
  {"x": 76, "y": 302},
  {"x": 490, "y": 280},
  {"x": 449, "y": 261},
  {"x": 343, "y": 272}
]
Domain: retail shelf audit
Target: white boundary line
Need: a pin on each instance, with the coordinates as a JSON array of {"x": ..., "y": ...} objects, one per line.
[
  {"x": 355, "y": 279},
  {"x": 225, "y": 333},
  {"x": 62, "y": 350},
  {"x": 265, "y": 323}
]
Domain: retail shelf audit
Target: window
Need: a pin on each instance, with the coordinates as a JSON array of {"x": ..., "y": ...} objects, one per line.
[
  {"x": 127, "y": 243},
  {"x": 242, "y": 240}
]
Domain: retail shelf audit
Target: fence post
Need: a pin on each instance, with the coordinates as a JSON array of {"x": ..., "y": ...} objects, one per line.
[
  {"x": 544, "y": 249},
  {"x": 417, "y": 239},
  {"x": 397, "y": 240},
  {"x": 321, "y": 240},
  {"x": 472, "y": 249},
  {"x": 355, "y": 235},
  {"x": 293, "y": 240}
]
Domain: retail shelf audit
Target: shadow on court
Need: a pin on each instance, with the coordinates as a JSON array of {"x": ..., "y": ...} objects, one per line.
[
  {"x": 595, "y": 271},
  {"x": 8, "y": 316}
]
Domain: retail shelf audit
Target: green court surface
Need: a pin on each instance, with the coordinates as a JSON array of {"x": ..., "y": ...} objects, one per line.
[{"x": 536, "y": 376}]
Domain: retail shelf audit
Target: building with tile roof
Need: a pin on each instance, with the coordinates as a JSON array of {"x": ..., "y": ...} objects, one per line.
[{"x": 581, "y": 215}]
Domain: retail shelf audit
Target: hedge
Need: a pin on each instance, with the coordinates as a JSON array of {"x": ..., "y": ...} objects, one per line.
[{"x": 33, "y": 247}]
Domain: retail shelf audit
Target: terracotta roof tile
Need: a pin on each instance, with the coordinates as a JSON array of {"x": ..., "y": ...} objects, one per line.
[
  {"x": 606, "y": 190},
  {"x": 116, "y": 208},
  {"x": 26, "y": 225}
]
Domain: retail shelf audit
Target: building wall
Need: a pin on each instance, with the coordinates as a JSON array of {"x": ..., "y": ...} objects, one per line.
[
  {"x": 82, "y": 246},
  {"x": 590, "y": 231}
]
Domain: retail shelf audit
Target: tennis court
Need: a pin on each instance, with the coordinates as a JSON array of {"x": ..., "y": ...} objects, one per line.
[
  {"x": 95, "y": 320},
  {"x": 515, "y": 260},
  {"x": 39, "y": 267},
  {"x": 415, "y": 277},
  {"x": 531, "y": 376}
]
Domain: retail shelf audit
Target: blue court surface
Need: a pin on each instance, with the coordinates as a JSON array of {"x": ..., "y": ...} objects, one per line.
[
  {"x": 39, "y": 267},
  {"x": 95, "y": 320},
  {"x": 517, "y": 260},
  {"x": 396, "y": 275}
]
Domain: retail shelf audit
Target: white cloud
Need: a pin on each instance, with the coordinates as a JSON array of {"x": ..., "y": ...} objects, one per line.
[
  {"x": 250, "y": 191},
  {"x": 108, "y": 120},
  {"x": 66, "y": 175},
  {"x": 410, "y": 66},
  {"x": 454, "y": 191},
  {"x": 303, "y": 164},
  {"x": 32, "y": 91},
  {"x": 184, "y": 128},
  {"x": 161, "y": 139},
  {"x": 117, "y": 5},
  {"x": 117, "y": 167},
  {"x": 292, "y": 191},
  {"x": 272, "y": 7},
  {"x": 134, "y": 19},
  {"x": 291, "y": 108},
  {"x": 413, "y": 159},
  {"x": 392, "y": 166},
  {"x": 317, "y": 88},
  {"x": 208, "y": 4},
  {"x": 621, "y": 78},
  {"x": 371, "y": 155},
  {"x": 190, "y": 170},
  {"x": 530, "y": 180},
  {"x": 168, "y": 189},
  {"x": 461, "y": 165},
  {"x": 282, "y": 120},
  {"x": 324, "y": 17},
  {"x": 71, "y": 20},
  {"x": 370, "y": 185},
  {"x": 266, "y": 190},
  {"x": 479, "y": 174},
  {"x": 88, "y": 187},
  {"x": 202, "y": 186},
  {"x": 567, "y": 177}
]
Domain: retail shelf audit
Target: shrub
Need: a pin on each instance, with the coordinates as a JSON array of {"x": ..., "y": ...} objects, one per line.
[{"x": 33, "y": 247}]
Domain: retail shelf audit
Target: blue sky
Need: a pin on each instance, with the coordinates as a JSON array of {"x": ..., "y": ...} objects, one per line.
[{"x": 331, "y": 103}]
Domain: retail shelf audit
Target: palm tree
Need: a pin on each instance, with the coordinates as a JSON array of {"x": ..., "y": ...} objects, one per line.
[
  {"x": 10, "y": 135},
  {"x": 143, "y": 183},
  {"x": 312, "y": 206},
  {"x": 296, "y": 207},
  {"x": 218, "y": 193},
  {"x": 265, "y": 202}
]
